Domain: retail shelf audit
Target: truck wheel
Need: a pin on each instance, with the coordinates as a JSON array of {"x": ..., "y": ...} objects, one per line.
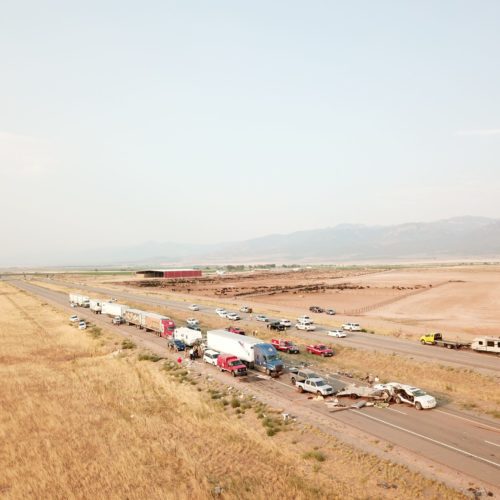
[
  {"x": 398, "y": 400},
  {"x": 353, "y": 396},
  {"x": 318, "y": 393},
  {"x": 300, "y": 388},
  {"x": 422, "y": 342},
  {"x": 418, "y": 406},
  {"x": 234, "y": 373},
  {"x": 449, "y": 346},
  {"x": 293, "y": 380}
]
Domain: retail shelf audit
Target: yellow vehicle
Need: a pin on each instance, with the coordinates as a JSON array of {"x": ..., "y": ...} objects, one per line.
[{"x": 437, "y": 339}]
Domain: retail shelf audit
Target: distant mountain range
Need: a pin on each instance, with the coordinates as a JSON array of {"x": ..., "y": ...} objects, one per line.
[{"x": 456, "y": 238}]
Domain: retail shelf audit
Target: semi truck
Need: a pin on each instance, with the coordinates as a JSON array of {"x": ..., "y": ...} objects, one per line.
[
  {"x": 113, "y": 309},
  {"x": 255, "y": 353},
  {"x": 135, "y": 317},
  {"x": 79, "y": 300},
  {"x": 189, "y": 336},
  {"x": 163, "y": 326},
  {"x": 95, "y": 306}
]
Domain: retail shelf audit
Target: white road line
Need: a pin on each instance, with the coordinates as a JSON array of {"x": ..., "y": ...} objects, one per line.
[
  {"x": 392, "y": 409},
  {"x": 428, "y": 438},
  {"x": 469, "y": 420},
  {"x": 494, "y": 444}
]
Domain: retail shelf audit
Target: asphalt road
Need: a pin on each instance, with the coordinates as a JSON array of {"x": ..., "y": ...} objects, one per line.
[
  {"x": 466, "y": 444},
  {"x": 486, "y": 363}
]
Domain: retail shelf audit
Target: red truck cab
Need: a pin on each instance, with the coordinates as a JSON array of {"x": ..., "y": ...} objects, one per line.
[
  {"x": 285, "y": 346},
  {"x": 231, "y": 364}
]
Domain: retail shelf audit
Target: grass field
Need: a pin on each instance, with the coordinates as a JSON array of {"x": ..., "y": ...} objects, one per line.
[{"x": 81, "y": 419}]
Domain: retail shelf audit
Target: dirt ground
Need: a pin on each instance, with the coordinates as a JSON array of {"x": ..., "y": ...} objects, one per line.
[{"x": 460, "y": 301}]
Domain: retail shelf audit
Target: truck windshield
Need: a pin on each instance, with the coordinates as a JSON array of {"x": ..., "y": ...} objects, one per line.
[
  {"x": 236, "y": 362},
  {"x": 272, "y": 357},
  {"x": 319, "y": 383}
]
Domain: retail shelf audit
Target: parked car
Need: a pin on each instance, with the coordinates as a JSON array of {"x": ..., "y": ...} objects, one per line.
[
  {"x": 286, "y": 323},
  {"x": 305, "y": 320},
  {"x": 232, "y": 316},
  {"x": 194, "y": 307},
  {"x": 82, "y": 325},
  {"x": 117, "y": 320},
  {"x": 330, "y": 312},
  {"x": 305, "y": 326},
  {"x": 74, "y": 318},
  {"x": 176, "y": 345},
  {"x": 210, "y": 356},
  {"x": 276, "y": 325},
  {"x": 340, "y": 334},
  {"x": 246, "y": 309},
  {"x": 261, "y": 317},
  {"x": 221, "y": 312},
  {"x": 192, "y": 322},
  {"x": 316, "y": 309},
  {"x": 234, "y": 329},
  {"x": 320, "y": 350},
  {"x": 352, "y": 327}
]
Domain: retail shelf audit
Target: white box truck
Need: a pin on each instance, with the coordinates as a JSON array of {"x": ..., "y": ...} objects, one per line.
[
  {"x": 187, "y": 335},
  {"x": 113, "y": 309},
  {"x": 79, "y": 300},
  {"x": 96, "y": 306},
  {"x": 255, "y": 353}
]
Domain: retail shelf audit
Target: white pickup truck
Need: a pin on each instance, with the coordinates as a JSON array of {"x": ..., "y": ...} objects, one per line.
[
  {"x": 414, "y": 396},
  {"x": 315, "y": 385}
]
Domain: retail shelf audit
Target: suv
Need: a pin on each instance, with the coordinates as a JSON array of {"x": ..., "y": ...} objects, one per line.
[
  {"x": 194, "y": 307},
  {"x": 176, "y": 345},
  {"x": 306, "y": 320},
  {"x": 74, "y": 318},
  {"x": 330, "y": 312},
  {"x": 303, "y": 374},
  {"x": 276, "y": 325},
  {"x": 246, "y": 309},
  {"x": 210, "y": 357},
  {"x": 192, "y": 322},
  {"x": 232, "y": 316},
  {"x": 117, "y": 320}
]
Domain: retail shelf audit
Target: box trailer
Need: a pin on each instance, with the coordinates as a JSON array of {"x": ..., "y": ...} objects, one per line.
[
  {"x": 113, "y": 309},
  {"x": 135, "y": 317},
  {"x": 187, "y": 335},
  {"x": 163, "y": 326},
  {"x": 79, "y": 300},
  {"x": 255, "y": 353},
  {"x": 96, "y": 306}
]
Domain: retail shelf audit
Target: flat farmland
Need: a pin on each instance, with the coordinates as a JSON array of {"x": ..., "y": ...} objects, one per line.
[{"x": 460, "y": 301}]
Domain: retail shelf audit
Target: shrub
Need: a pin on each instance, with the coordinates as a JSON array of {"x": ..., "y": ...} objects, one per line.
[
  {"x": 128, "y": 344},
  {"x": 149, "y": 357},
  {"x": 316, "y": 454},
  {"x": 235, "y": 403}
]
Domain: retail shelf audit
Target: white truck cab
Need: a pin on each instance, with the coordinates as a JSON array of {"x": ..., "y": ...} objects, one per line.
[{"x": 409, "y": 395}]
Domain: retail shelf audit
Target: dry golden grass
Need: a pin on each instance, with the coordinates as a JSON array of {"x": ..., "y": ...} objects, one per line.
[{"x": 79, "y": 421}]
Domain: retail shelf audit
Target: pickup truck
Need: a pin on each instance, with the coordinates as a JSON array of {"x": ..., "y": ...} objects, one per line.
[
  {"x": 285, "y": 346},
  {"x": 235, "y": 329},
  {"x": 231, "y": 364},
  {"x": 316, "y": 386},
  {"x": 437, "y": 339},
  {"x": 320, "y": 350},
  {"x": 352, "y": 327},
  {"x": 316, "y": 309}
]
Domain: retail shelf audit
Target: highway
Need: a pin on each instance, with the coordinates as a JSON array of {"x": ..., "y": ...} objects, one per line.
[
  {"x": 466, "y": 446},
  {"x": 486, "y": 363}
]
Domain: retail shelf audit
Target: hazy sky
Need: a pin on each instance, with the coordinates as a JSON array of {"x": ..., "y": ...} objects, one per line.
[{"x": 123, "y": 122}]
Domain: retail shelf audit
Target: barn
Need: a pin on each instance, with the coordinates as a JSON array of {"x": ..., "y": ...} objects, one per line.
[{"x": 170, "y": 273}]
